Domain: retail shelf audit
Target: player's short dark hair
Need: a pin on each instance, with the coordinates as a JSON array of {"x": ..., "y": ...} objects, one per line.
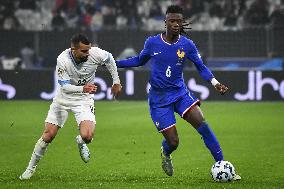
[
  {"x": 79, "y": 37},
  {"x": 174, "y": 9}
]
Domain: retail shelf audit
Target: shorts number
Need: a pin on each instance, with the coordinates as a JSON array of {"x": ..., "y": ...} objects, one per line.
[
  {"x": 92, "y": 109},
  {"x": 168, "y": 72}
]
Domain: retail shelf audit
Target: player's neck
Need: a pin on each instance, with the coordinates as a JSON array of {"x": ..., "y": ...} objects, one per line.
[
  {"x": 75, "y": 59},
  {"x": 170, "y": 38}
]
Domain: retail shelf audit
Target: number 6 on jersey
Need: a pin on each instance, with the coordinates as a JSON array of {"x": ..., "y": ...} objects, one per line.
[{"x": 168, "y": 72}]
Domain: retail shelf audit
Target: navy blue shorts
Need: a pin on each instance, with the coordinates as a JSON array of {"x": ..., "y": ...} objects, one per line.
[{"x": 164, "y": 118}]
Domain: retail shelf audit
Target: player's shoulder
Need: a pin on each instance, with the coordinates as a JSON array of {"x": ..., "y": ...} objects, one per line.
[
  {"x": 154, "y": 38},
  {"x": 64, "y": 56},
  {"x": 187, "y": 40},
  {"x": 97, "y": 52}
]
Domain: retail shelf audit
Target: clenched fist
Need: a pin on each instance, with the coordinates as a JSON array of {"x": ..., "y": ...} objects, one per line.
[
  {"x": 222, "y": 89},
  {"x": 90, "y": 88}
]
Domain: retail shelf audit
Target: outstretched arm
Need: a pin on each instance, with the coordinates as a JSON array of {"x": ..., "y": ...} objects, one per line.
[
  {"x": 204, "y": 72},
  {"x": 136, "y": 61}
]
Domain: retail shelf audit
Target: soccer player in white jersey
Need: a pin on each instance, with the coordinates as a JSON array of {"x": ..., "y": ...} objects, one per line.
[{"x": 76, "y": 68}]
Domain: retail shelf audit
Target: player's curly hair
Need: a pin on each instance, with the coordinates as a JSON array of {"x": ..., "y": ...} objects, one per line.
[{"x": 179, "y": 10}]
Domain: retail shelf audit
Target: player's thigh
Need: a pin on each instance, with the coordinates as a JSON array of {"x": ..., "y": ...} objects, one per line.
[
  {"x": 188, "y": 108},
  {"x": 57, "y": 114},
  {"x": 185, "y": 103},
  {"x": 85, "y": 115},
  {"x": 194, "y": 116},
  {"x": 163, "y": 117}
]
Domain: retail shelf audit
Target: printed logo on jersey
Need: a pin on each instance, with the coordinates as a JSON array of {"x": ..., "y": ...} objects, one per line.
[
  {"x": 156, "y": 53},
  {"x": 180, "y": 54}
]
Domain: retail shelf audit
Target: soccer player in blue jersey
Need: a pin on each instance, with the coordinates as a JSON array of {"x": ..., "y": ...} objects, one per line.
[{"x": 167, "y": 53}]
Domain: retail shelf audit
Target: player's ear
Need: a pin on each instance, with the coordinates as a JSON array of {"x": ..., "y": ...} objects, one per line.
[{"x": 73, "y": 47}]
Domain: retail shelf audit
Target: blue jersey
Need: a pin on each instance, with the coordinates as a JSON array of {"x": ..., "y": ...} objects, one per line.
[{"x": 167, "y": 62}]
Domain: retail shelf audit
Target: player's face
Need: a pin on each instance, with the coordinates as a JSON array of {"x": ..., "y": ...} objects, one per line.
[
  {"x": 174, "y": 23},
  {"x": 81, "y": 52}
]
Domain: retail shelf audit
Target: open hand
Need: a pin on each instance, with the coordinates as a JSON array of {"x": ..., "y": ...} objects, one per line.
[
  {"x": 90, "y": 88},
  {"x": 115, "y": 90},
  {"x": 222, "y": 89}
]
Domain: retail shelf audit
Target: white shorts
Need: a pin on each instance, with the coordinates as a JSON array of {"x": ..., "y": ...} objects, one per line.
[{"x": 58, "y": 113}]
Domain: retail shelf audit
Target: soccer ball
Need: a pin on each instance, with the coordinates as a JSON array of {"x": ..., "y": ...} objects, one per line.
[{"x": 223, "y": 171}]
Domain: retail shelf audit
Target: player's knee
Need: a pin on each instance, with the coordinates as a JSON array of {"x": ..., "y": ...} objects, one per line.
[
  {"x": 87, "y": 138},
  {"x": 174, "y": 143},
  {"x": 48, "y": 137}
]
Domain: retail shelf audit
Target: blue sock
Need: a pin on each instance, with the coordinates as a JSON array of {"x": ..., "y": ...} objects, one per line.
[
  {"x": 210, "y": 141},
  {"x": 166, "y": 147}
]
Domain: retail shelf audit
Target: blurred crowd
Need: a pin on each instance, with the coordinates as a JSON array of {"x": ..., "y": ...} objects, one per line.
[{"x": 42, "y": 15}]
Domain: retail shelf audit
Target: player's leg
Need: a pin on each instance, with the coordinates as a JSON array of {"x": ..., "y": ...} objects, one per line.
[
  {"x": 169, "y": 144},
  {"x": 84, "y": 138},
  {"x": 56, "y": 118},
  {"x": 163, "y": 118},
  {"x": 85, "y": 117},
  {"x": 171, "y": 140},
  {"x": 189, "y": 110},
  {"x": 195, "y": 117},
  {"x": 87, "y": 129},
  {"x": 187, "y": 107}
]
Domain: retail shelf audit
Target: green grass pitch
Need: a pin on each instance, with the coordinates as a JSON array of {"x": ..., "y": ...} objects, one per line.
[{"x": 126, "y": 147}]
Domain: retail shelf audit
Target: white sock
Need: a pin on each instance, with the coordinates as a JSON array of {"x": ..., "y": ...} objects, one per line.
[
  {"x": 79, "y": 140},
  {"x": 40, "y": 148}
]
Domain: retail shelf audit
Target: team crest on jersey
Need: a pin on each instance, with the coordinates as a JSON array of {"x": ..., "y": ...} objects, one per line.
[
  {"x": 181, "y": 55},
  {"x": 60, "y": 72}
]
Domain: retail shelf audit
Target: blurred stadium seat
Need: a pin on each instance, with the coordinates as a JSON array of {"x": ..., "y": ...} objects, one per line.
[{"x": 221, "y": 29}]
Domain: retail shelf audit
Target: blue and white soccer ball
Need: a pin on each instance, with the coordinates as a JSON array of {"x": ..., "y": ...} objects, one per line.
[{"x": 223, "y": 171}]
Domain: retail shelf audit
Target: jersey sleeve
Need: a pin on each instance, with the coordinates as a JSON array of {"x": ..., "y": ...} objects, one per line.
[
  {"x": 61, "y": 71},
  {"x": 64, "y": 79},
  {"x": 195, "y": 57},
  {"x": 109, "y": 61},
  {"x": 139, "y": 60}
]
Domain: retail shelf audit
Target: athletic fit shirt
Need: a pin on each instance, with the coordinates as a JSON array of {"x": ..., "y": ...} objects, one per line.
[
  {"x": 70, "y": 72},
  {"x": 167, "y": 62}
]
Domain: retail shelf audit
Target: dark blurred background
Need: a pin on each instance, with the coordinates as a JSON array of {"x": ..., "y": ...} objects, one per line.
[
  {"x": 242, "y": 41},
  {"x": 230, "y": 34}
]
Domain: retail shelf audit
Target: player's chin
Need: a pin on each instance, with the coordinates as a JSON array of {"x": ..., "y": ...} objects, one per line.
[
  {"x": 84, "y": 59},
  {"x": 175, "y": 32}
]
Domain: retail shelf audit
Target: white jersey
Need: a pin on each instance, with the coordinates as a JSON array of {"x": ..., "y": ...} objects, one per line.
[{"x": 69, "y": 71}]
